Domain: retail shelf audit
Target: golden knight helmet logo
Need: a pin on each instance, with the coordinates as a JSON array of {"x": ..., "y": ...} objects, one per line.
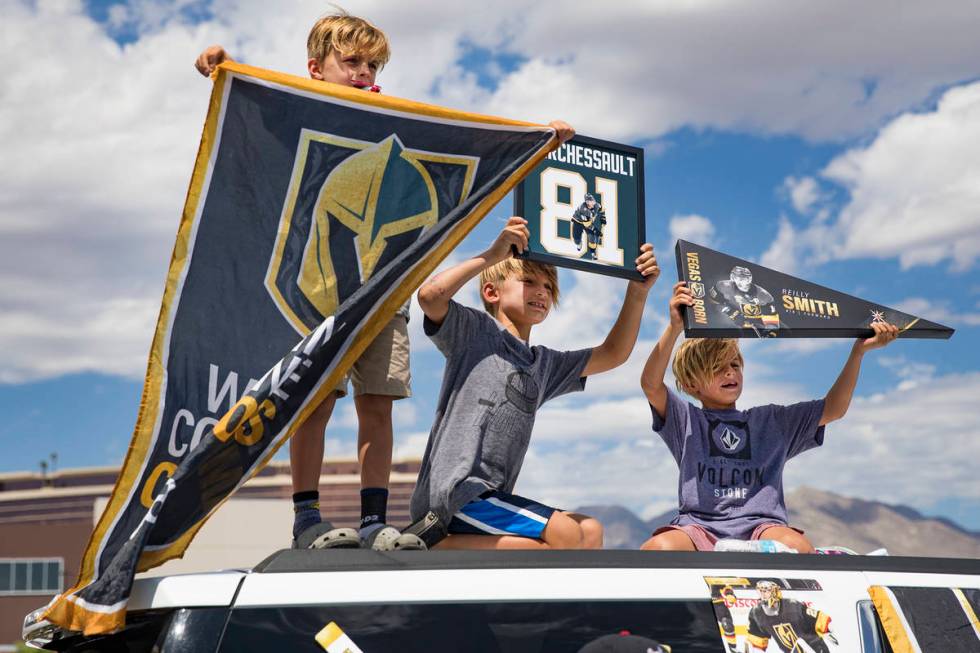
[
  {"x": 336, "y": 227},
  {"x": 376, "y": 193}
]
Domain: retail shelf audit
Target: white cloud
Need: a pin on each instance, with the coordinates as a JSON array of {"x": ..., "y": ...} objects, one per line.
[
  {"x": 638, "y": 473},
  {"x": 937, "y": 311},
  {"x": 811, "y": 70},
  {"x": 784, "y": 252},
  {"x": 410, "y": 445},
  {"x": 694, "y": 228},
  {"x": 914, "y": 191},
  {"x": 99, "y": 143},
  {"x": 803, "y": 192},
  {"x": 588, "y": 308},
  {"x": 895, "y": 446},
  {"x": 913, "y": 195},
  {"x": 807, "y": 346}
]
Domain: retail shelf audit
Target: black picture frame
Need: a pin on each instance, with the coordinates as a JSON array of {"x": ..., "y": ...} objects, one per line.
[{"x": 620, "y": 155}]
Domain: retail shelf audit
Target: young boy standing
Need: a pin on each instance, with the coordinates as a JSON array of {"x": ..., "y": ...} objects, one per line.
[
  {"x": 350, "y": 51},
  {"x": 731, "y": 461},
  {"x": 493, "y": 385}
]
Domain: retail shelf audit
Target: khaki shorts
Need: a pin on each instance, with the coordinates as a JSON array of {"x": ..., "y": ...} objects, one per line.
[{"x": 383, "y": 368}]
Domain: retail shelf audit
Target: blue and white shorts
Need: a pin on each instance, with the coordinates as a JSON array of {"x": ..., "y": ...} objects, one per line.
[{"x": 499, "y": 513}]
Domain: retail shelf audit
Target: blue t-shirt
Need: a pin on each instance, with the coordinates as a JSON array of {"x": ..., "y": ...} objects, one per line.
[{"x": 731, "y": 461}]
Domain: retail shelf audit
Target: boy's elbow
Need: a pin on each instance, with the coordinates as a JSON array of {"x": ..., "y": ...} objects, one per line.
[
  {"x": 428, "y": 296},
  {"x": 608, "y": 356},
  {"x": 832, "y": 413},
  {"x": 652, "y": 387}
]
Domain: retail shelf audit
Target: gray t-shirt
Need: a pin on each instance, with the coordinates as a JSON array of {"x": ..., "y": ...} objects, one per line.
[
  {"x": 492, "y": 387},
  {"x": 731, "y": 461}
]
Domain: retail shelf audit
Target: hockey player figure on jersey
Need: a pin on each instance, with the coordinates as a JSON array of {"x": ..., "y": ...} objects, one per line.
[
  {"x": 746, "y": 304},
  {"x": 589, "y": 218},
  {"x": 795, "y": 627}
]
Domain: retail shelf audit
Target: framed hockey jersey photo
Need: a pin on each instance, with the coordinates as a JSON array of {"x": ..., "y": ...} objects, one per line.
[{"x": 584, "y": 207}]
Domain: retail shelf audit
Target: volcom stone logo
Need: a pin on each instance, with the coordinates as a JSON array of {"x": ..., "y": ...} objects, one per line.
[
  {"x": 351, "y": 206},
  {"x": 729, "y": 439}
]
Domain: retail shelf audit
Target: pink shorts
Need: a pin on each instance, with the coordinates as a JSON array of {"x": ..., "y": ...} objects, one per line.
[{"x": 704, "y": 540}]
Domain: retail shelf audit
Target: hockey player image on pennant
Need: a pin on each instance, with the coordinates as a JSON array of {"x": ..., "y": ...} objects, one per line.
[
  {"x": 735, "y": 298},
  {"x": 771, "y": 614},
  {"x": 584, "y": 207}
]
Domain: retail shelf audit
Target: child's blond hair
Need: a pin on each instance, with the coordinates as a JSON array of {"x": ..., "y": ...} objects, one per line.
[
  {"x": 347, "y": 34},
  {"x": 512, "y": 267},
  {"x": 698, "y": 360}
]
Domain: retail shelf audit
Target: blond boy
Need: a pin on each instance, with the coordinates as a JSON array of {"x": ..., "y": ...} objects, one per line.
[
  {"x": 350, "y": 51},
  {"x": 493, "y": 385},
  {"x": 731, "y": 461}
]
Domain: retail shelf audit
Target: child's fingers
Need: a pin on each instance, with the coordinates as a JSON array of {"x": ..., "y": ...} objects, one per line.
[
  {"x": 518, "y": 236},
  {"x": 646, "y": 250}
]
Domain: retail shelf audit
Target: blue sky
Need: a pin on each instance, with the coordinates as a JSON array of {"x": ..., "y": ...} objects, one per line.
[{"x": 794, "y": 141}]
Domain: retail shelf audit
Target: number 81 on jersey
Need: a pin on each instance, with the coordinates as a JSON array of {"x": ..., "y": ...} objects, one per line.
[{"x": 584, "y": 207}]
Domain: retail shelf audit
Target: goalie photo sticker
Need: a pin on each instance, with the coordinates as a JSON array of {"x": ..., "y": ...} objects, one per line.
[
  {"x": 771, "y": 614},
  {"x": 584, "y": 207}
]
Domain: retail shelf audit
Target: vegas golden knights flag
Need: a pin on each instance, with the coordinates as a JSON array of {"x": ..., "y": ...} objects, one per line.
[
  {"x": 929, "y": 619},
  {"x": 734, "y": 298},
  {"x": 314, "y": 212}
]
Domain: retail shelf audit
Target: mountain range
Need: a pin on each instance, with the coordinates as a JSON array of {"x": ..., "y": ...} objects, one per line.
[{"x": 829, "y": 520}]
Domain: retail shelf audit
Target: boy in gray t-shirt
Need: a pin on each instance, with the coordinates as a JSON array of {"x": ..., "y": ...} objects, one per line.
[
  {"x": 492, "y": 387},
  {"x": 731, "y": 461}
]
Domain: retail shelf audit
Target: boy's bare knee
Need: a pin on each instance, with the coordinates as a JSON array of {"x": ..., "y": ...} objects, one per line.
[
  {"x": 562, "y": 532},
  {"x": 592, "y": 533},
  {"x": 790, "y": 537},
  {"x": 375, "y": 409},
  {"x": 655, "y": 543},
  {"x": 672, "y": 540}
]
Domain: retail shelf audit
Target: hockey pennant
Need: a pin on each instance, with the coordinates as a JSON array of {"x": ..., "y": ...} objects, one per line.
[{"x": 735, "y": 298}]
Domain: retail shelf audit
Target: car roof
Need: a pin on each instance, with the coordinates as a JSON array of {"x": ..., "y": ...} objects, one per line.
[
  {"x": 293, "y": 561},
  {"x": 298, "y": 576}
]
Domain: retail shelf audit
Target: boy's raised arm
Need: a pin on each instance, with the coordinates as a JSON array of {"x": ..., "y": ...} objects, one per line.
[
  {"x": 652, "y": 378},
  {"x": 435, "y": 294},
  {"x": 618, "y": 345},
  {"x": 838, "y": 399}
]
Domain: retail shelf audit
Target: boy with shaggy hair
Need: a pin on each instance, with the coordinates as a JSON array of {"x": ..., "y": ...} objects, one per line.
[
  {"x": 348, "y": 50},
  {"x": 493, "y": 385},
  {"x": 731, "y": 461}
]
